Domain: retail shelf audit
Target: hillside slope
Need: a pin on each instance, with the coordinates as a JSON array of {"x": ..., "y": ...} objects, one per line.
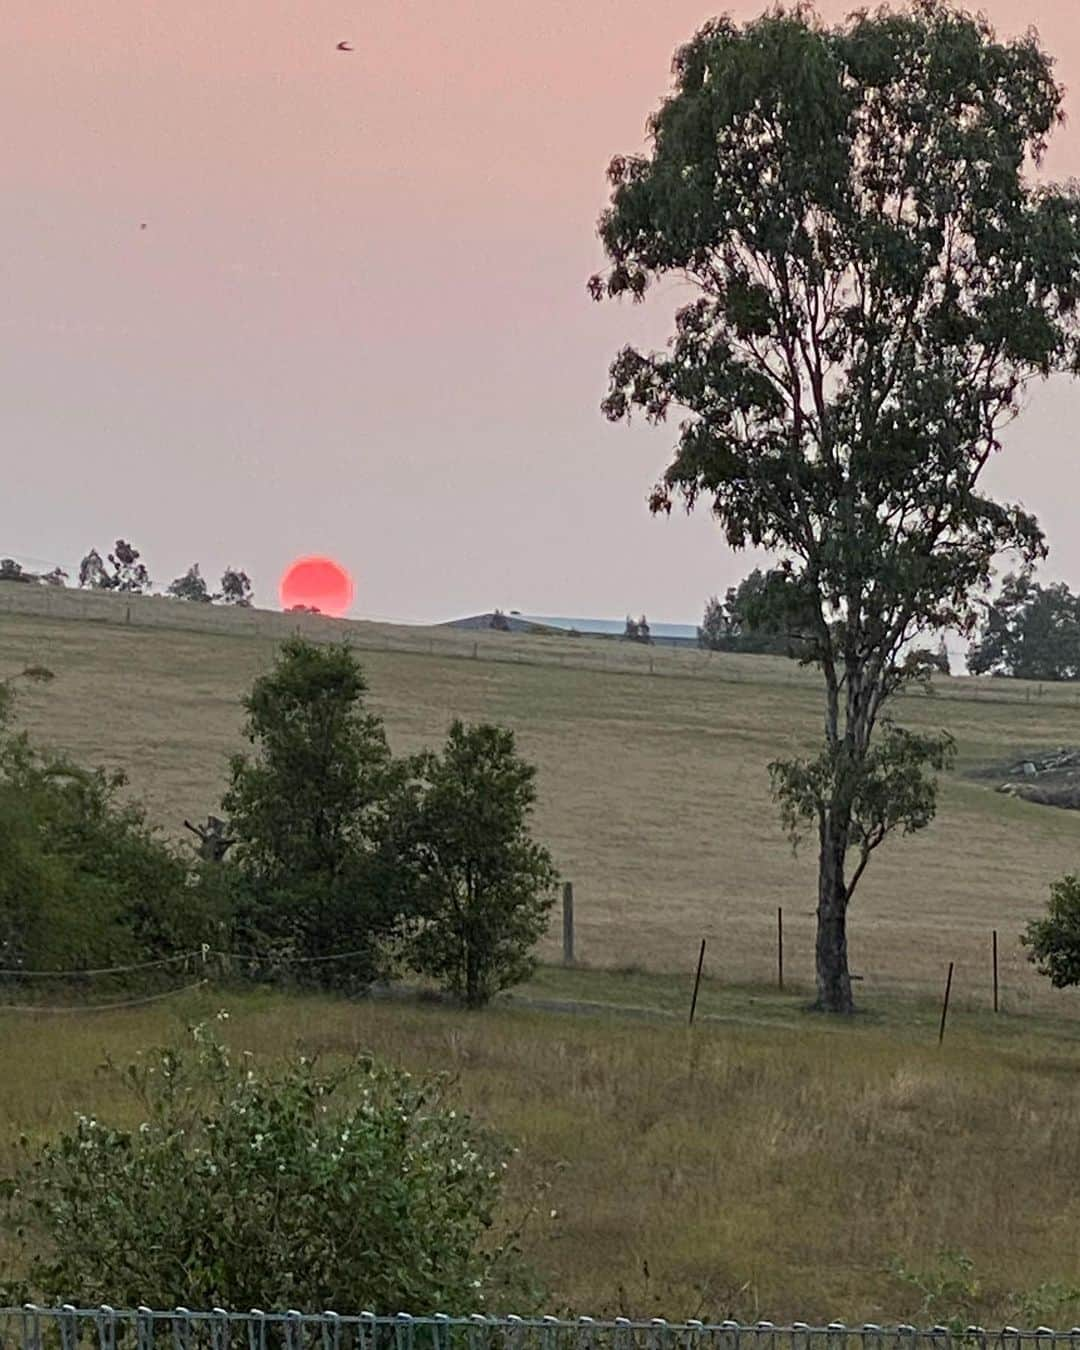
[{"x": 653, "y": 787}]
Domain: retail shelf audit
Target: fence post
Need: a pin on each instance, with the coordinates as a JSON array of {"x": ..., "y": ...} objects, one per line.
[
  {"x": 995, "y": 970},
  {"x": 697, "y": 981},
  {"x": 568, "y": 923},
  {"x": 780, "y": 946},
  {"x": 945, "y": 1005}
]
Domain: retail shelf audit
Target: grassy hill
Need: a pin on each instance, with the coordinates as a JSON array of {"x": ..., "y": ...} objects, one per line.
[{"x": 653, "y": 789}]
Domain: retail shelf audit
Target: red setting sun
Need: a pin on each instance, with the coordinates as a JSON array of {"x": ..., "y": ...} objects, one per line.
[{"x": 320, "y": 583}]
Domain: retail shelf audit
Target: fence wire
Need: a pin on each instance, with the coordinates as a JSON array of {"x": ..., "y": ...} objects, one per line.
[{"x": 105, "y": 1328}]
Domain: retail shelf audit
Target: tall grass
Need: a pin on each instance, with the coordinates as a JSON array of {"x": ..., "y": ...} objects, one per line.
[{"x": 780, "y": 1171}]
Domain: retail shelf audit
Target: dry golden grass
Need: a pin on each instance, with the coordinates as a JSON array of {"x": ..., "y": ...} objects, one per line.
[
  {"x": 653, "y": 791},
  {"x": 756, "y": 1171}
]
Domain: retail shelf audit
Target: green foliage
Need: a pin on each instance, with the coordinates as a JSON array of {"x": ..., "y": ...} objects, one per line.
[
  {"x": 483, "y": 888},
  {"x": 311, "y": 811},
  {"x": 949, "y": 1292},
  {"x": 190, "y": 586},
  {"x": 235, "y": 588},
  {"x": 883, "y": 790},
  {"x": 357, "y": 1187},
  {"x": 84, "y": 881},
  {"x": 877, "y": 280},
  {"x": 1053, "y": 942},
  {"x": 1031, "y": 632},
  {"x": 756, "y": 617}
]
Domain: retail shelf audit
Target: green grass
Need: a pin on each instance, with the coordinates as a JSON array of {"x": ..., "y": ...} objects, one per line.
[{"x": 769, "y": 1163}]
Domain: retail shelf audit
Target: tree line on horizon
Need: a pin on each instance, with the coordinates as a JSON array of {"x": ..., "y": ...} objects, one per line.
[
  {"x": 124, "y": 571},
  {"x": 1028, "y": 632}
]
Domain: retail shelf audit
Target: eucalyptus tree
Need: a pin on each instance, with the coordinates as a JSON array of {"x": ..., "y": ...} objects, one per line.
[{"x": 876, "y": 276}]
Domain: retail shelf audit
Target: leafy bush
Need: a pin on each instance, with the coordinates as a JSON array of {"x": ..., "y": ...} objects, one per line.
[
  {"x": 483, "y": 887},
  {"x": 84, "y": 880},
  {"x": 948, "y": 1292},
  {"x": 354, "y": 1188},
  {"x": 1054, "y": 942}
]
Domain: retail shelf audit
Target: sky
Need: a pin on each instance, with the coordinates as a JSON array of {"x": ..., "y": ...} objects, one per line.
[{"x": 355, "y": 322}]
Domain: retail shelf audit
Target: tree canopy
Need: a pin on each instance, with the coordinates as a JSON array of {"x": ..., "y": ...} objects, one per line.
[
  {"x": 877, "y": 277},
  {"x": 191, "y": 586},
  {"x": 483, "y": 887},
  {"x": 310, "y": 810},
  {"x": 125, "y": 571},
  {"x": 749, "y": 620},
  {"x": 1030, "y": 632}
]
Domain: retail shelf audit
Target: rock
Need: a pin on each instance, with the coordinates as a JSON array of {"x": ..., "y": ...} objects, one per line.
[{"x": 1028, "y": 769}]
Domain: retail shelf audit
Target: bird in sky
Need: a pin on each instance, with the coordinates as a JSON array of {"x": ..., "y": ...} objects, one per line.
[{"x": 345, "y": 47}]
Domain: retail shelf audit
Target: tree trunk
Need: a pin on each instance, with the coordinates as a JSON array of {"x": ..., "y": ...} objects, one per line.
[
  {"x": 833, "y": 980},
  {"x": 473, "y": 997}
]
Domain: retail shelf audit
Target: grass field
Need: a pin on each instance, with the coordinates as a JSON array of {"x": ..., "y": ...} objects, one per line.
[
  {"x": 653, "y": 789},
  {"x": 774, "y": 1166}
]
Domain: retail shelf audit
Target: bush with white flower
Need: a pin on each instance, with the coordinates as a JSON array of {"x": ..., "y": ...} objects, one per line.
[{"x": 303, "y": 1187}]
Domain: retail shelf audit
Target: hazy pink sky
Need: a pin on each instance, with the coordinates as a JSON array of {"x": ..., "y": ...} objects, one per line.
[{"x": 356, "y": 322}]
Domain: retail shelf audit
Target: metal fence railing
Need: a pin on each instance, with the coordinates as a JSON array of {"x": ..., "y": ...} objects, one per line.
[{"x": 105, "y": 1328}]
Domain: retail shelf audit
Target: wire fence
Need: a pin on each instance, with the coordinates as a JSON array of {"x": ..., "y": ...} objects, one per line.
[
  {"x": 105, "y": 1328},
  {"x": 585, "y": 653},
  {"x": 26, "y": 990}
]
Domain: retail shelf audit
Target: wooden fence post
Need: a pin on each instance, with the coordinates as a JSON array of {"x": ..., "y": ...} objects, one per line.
[
  {"x": 945, "y": 1005},
  {"x": 568, "y": 923},
  {"x": 697, "y": 981}
]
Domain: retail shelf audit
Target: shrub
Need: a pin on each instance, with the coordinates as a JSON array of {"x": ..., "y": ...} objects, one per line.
[
  {"x": 84, "y": 880},
  {"x": 1054, "y": 942},
  {"x": 353, "y": 1188}
]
